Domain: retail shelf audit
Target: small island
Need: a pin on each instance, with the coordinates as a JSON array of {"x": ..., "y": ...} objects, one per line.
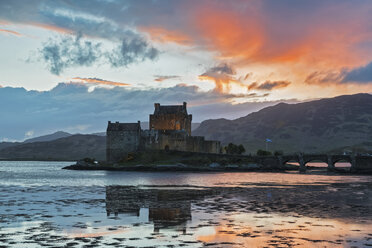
[
  {"x": 167, "y": 146},
  {"x": 161, "y": 160}
]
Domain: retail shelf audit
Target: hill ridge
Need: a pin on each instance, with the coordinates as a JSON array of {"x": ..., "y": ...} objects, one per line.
[{"x": 301, "y": 127}]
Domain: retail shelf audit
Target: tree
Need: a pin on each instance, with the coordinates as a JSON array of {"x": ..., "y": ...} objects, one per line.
[
  {"x": 263, "y": 153},
  {"x": 234, "y": 149},
  {"x": 241, "y": 149}
]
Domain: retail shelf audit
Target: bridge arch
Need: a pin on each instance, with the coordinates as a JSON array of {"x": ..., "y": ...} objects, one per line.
[
  {"x": 344, "y": 163},
  {"x": 290, "y": 161},
  {"x": 342, "y": 160},
  {"x": 283, "y": 160},
  {"x": 314, "y": 158},
  {"x": 320, "y": 164},
  {"x": 315, "y": 161}
]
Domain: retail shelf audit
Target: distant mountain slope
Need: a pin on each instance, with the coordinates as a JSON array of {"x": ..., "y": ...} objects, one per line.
[
  {"x": 343, "y": 122},
  {"x": 8, "y": 144},
  {"x": 70, "y": 148},
  {"x": 49, "y": 137}
]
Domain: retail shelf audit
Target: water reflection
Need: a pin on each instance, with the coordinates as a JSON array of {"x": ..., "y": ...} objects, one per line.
[
  {"x": 300, "y": 216},
  {"x": 167, "y": 208},
  {"x": 42, "y": 206}
]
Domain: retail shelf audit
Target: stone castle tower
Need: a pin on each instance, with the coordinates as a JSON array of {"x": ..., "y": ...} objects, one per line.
[
  {"x": 120, "y": 138},
  {"x": 170, "y": 117}
]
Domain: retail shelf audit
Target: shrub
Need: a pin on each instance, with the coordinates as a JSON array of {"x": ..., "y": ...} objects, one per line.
[{"x": 278, "y": 153}]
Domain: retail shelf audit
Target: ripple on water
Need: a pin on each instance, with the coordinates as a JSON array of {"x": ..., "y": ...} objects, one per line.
[{"x": 60, "y": 208}]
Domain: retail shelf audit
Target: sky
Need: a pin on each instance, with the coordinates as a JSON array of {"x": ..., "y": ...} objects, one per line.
[{"x": 74, "y": 65}]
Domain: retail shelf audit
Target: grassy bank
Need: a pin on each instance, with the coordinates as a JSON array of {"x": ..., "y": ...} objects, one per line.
[{"x": 186, "y": 158}]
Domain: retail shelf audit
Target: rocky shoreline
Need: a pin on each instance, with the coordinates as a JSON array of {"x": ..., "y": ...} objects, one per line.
[{"x": 213, "y": 167}]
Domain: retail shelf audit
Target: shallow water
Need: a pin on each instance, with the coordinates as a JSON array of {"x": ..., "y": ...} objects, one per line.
[
  {"x": 42, "y": 205},
  {"x": 33, "y": 173}
]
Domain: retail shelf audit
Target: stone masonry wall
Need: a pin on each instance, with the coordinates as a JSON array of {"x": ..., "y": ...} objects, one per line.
[
  {"x": 180, "y": 141},
  {"x": 120, "y": 143},
  {"x": 177, "y": 121}
]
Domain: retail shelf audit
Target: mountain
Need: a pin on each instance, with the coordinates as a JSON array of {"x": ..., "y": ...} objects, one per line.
[
  {"x": 145, "y": 125},
  {"x": 58, "y": 146},
  {"x": 73, "y": 147},
  {"x": 49, "y": 137},
  {"x": 8, "y": 144},
  {"x": 337, "y": 124}
]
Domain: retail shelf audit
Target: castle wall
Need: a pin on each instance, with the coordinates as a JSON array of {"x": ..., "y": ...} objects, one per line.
[
  {"x": 179, "y": 141},
  {"x": 177, "y": 121},
  {"x": 121, "y": 142},
  {"x": 212, "y": 146}
]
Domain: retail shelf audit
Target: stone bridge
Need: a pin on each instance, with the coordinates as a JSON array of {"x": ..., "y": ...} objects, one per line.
[{"x": 358, "y": 163}]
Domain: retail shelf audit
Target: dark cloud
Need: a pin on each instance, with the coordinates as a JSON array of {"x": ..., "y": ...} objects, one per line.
[
  {"x": 224, "y": 77},
  {"x": 248, "y": 75},
  {"x": 269, "y": 85},
  {"x": 105, "y": 19},
  {"x": 72, "y": 51},
  {"x": 359, "y": 75},
  {"x": 132, "y": 50},
  {"x": 321, "y": 77},
  {"x": 257, "y": 39},
  {"x": 69, "y": 51},
  {"x": 221, "y": 69},
  {"x": 161, "y": 78},
  {"x": 109, "y": 20},
  {"x": 71, "y": 107}
]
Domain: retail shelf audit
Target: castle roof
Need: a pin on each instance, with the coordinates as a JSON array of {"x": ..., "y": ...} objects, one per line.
[
  {"x": 117, "y": 126},
  {"x": 170, "y": 109}
]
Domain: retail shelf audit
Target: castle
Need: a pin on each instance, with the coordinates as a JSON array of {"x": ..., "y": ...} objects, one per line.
[{"x": 170, "y": 129}]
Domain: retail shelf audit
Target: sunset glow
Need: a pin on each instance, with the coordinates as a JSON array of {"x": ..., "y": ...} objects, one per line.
[
  {"x": 99, "y": 81},
  {"x": 210, "y": 53}
]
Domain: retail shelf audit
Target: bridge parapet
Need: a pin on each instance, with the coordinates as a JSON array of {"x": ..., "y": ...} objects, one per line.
[{"x": 358, "y": 163}]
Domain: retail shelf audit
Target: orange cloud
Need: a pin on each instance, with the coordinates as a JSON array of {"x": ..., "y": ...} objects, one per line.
[
  {"x": 253, "y": 35},
  {"x": 223, "y": 77},
  {"x": 269, "y": 85},
  {"x": 10, "y": 32},
  {"x": 51, "y": 28},
  {"x": 163, "y": 35},
  {"x": 223, "y": 83},
  {"x": 99, "y": 81},
  {"x": 2, "y": 22},
  {"x": 161, "y": 78},
  {"x": 229, "y": 33}
]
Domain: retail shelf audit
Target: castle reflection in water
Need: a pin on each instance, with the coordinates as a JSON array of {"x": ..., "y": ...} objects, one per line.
[{"x": 167, "y": 208}]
